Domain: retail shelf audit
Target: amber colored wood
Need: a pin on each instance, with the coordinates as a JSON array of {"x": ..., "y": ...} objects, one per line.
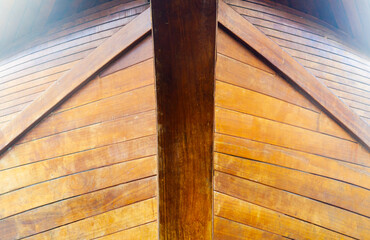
[
  {"x": 30, "y": 174},
  {"x": 133, "y": 102},
  {"x": 225, "y": 229},
  {"x": 294, "y": 71},
  {"x": 119, "y": 219},
  {"x": 247, "y": 126},
  {"x": 74, "y": 79},
  {"x": 141, "y": 52},
  {"x": 294, "y": 205},
  {"x": 76, "y": 184},
  {"x": 325, "y": 190},
  {"x": 184, "y": 35},
  {"x": 147, "y": 231},
  {"x": 285, "y": 157},
  {"x": 76, "y": 208},
  {"x": 329, "y": 126},
  {"x": 250, "y": 102},
  {"x": 266, "y": 219},
  {"x": 131, "y": 127},
  {"x": 122, "y": 84},
  {"x": 228, "y": 46},
  {"x": 240, "y": 74}
]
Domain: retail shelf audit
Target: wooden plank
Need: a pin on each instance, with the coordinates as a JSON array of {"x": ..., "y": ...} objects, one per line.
[
  {"x": 141, "y": 52},
  {"x": 77, "y": 208},
  {"x": 329, "y": 126},
  {"x": 30, "y": 174},
  {"x": 293, "y": 205},
  {"x": 254, "y": 103},
  {"x": 120, "y": 219},
  {"x": 325, "y": 33},
  {"x": 70, "y": 82},
  {"x": 293, "y": 159},
  {"x": 50, "y": 58},
  {"x": 37, "y": 75},
  {"x": 146, "y": 231},
  {"x": 295, "y": 72},
  {"x": 250, "y": 127},
  {"x": 130, "y": 103},
  {"x": 122, "y": 82},
  {"x": 184, "y": 35},
  {"x": 234, "y": 72},
  {"x": 76, "y": 184},
  {"x": 82, "y": 27},
  {"x": 268, "y": 220},
  {"x": 228, "y": 46},
  {"x": 230, "y": 230},
  {"x": 325, "y": 190},
  {"x": 44, "y": 66},
  {"x": 134, "y": 126}
]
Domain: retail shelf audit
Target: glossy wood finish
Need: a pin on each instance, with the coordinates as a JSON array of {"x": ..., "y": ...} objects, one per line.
[
  {"x": 271, "y": 179},
  {"x": 25, "y": 75},
  {"x": 70, "y": 82},
  {"x": 290, "y": 68},
  {"x": 328, "y": 55},
  {"x": 184, "y": 45},
  {"x": 96, "y": 181}
]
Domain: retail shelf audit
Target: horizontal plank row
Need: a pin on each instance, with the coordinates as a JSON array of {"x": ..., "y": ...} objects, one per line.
[
  {"x": 84, "y": 27},
  {"x": 92, "y": 136},
  {"x": 316, "y": 187},
  {"x": 268, "y": 220},
  {"x": 275, "y": 133},
  {"x": 76, "y": 208},
  {"x": 42, "y": 171},
  {"x": 305, "y": 209},
  {"x": 131, "y": 87},
  {"x": 225, "y": 229},
  {"x": 289, "y": 158},
  {"x": 119, "y": 219},
  {"x": 76, "y": 184}
]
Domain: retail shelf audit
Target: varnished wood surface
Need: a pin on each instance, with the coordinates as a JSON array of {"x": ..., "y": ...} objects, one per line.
[
  {"x": 100, "y": 179},
  {"x": 61, "y": 89},
  {"x": 326, "y": 54},
  {"x": 274, "y": 183},
  {"x": 184, "y": 35},
  {"x": 43, "y": 61},
  {"x": 294, "y": 71}
]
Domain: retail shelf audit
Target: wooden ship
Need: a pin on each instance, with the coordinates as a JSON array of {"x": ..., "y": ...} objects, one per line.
[{"x": 228, "y": 119}]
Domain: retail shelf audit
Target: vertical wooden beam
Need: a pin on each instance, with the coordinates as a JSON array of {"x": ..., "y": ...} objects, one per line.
[{"x": 184, "y": 47}]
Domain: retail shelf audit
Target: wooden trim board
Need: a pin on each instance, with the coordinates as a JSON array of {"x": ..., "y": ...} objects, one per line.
[
  {"x": 79, "y": 75},
  {"x": 295, "y": 72}
]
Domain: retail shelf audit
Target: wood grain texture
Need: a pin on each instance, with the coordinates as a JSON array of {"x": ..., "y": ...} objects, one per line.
[
  {"x": 76, "y": 184},
  {"x": 77, "y": 208},
  {"x": 294, "y": 71},
  {"x": 225, "y": 229},
  {"x": 289, "y": 158},
  {"x": 131, "y": 127},
  {"x": 120, "y": 219},
  {"x": 306, "y": 209},
  {"x": 268, "y": 131},
  {"x": 184, "y": 48},
  {"x": 265, "y": 219},
  {"x": 147, "y": 231},
  {"x": 29, "y": 174},
  {"x": 66, "y": 85},
  {"x": 325, "y": 190}
]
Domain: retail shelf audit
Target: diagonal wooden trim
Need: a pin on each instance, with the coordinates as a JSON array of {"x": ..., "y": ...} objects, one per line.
[
  {"x": 295, "y": 72},
  {"x": 75, "y": 78}
]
